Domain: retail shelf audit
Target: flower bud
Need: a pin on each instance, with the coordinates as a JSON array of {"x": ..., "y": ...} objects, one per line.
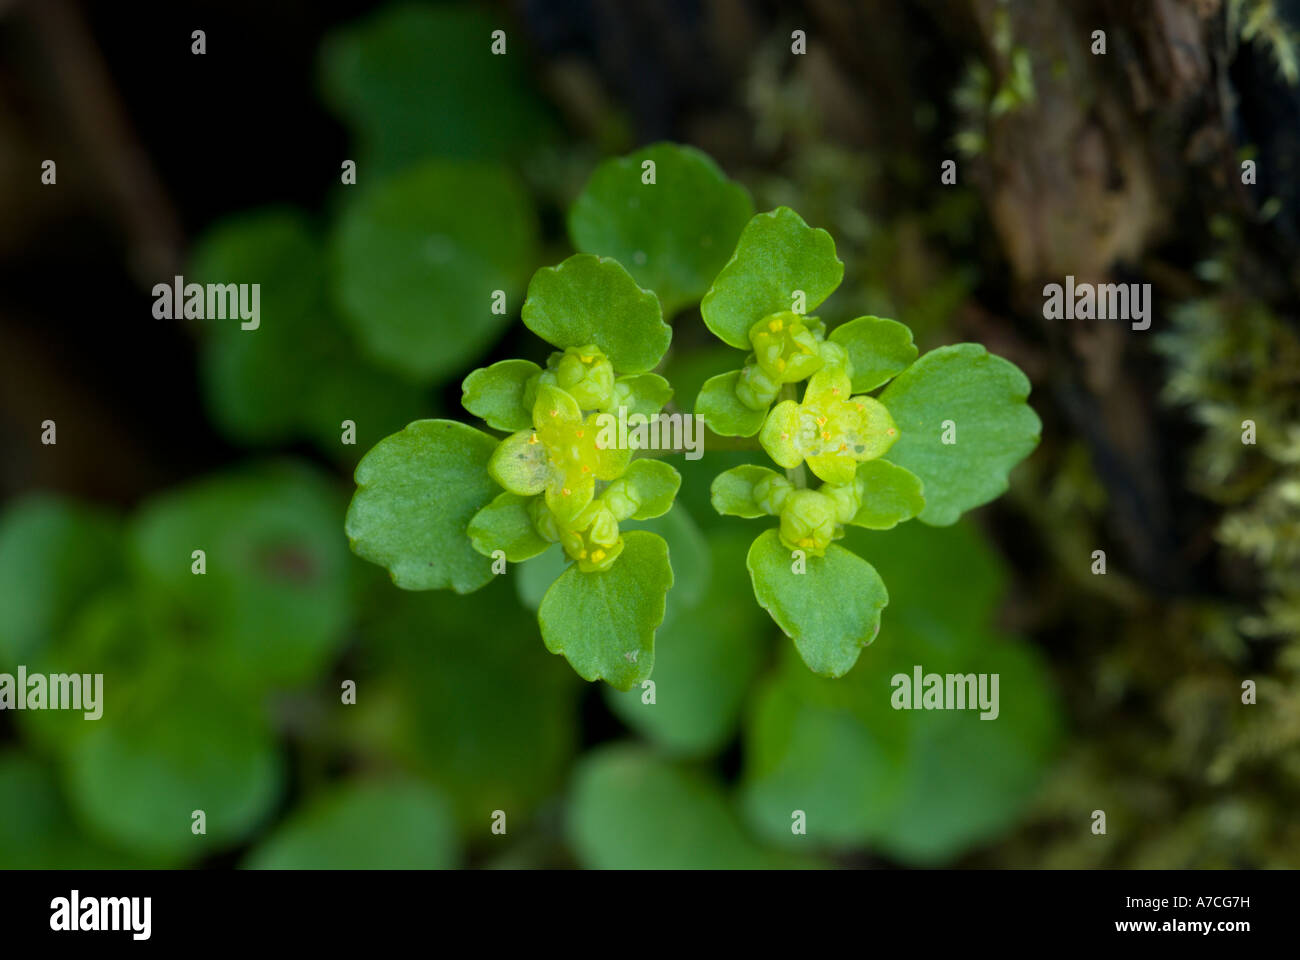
[{"x": 808, "y": 521}]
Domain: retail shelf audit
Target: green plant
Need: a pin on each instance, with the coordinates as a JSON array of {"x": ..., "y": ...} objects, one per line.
[{"x": 444, "y": 505}]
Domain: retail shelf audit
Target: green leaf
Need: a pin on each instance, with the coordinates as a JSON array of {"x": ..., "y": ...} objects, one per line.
[
  {"x": 418, "y": 257},
  {"x": 633, "y": 811},
  {"x": 688, "y": 552},
  {"x": 177, "y": 741},
  {"x": 705, "y": 660},
  {"x": 54, "y": 552},
  {"x": 397, "y": 825},
  {"x": 37, "y": 831},
  {"x": 414, "y": 81},
  {"x": 604, "y": 623},
  {"x": 776, "y": 255},
  {"x": 505, "y": 524},
  {"x": 866, "y": 773},
  {"x": 416, "y": 493},
  {"x": 878, "y": 349},
  {"x": 645, "y": 393},
  {"x": 984, "y": 397},
  {"x": 496, "y": 394},
  {"x": 831, "y": 611},
  {"x": 733, "y": 490},
  {"x": 465, "y": 696},
  {"x": 273, "y": 605},
  {"x": 722, "y": 410},
  {"x": 298, "y": 374},
  {"x": 589, "y": 299},
  {"x": 890, "y": 495},
  {"x": 652, "y": 484},
  {"x": 673, "y": 235}
]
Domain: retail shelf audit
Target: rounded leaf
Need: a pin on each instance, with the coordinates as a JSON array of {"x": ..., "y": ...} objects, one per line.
[
  {"x": 673, "y": 235},
  {"x": 298, "y": 373},
  {"x": 977, "y": 400},
  {"x": 416, "y": 493},
  {"x": 733, "y": 490},
  {"x": 413, "y": 81},
  {"x": 179, "y": 741},
  {"x": 722, "y": 410},
  {"x": 776, "y": 255},
  {"x": 402, "y": 825},
  {"x": 890, "y": 495},
  {"x": 831, "y": 611},
  {"x": 651, "y": 485},
  {"x": 418, "y": 257},
  {"x": 631, "y": 810},
  {"x": 495, "y": 394},
  {"x": 878, "y": 350},
  {"x": 273, "y": 605},
  {"x": 506, "y": 525},
  {"x": 589, "y": 299},
  {"x": 54, "y": 553},
  {"x": 604, "y": 623}
]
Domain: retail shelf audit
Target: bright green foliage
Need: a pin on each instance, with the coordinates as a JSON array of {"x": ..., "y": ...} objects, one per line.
[
  {"x": 593, "y": 300},
  {"x": 978, "y": 400},
  {"x": 632, "y": 810},
  {"x": 272, "y": 605},
  {"x": 399, "y": 825},
  {"x": 400, "y": 79},
  {"x": 298, "y": 373},
  {"x": 887, "y": 494},
  {"x": 882, "y": 460},
  {"x": 497, "y": 394},
  {"x": 674, "y": 234},
  {"x": 869, "y": 774},
  {"x": 53, "y": 552},
  {"x": 604, "y": 623},
  {"x": 725, "y": 413},
  {"x": 878, "y": 350},
  {"x": 831, "y": 610},
  {"x": 418, "y": 257},
  {"x": 416, "y": 493},
  {"x": 777, "y": 255},
  {"x": 506, "y": 524}
]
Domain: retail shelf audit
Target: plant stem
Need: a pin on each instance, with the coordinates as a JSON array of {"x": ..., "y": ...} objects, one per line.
[{"x": 795, "y": 475}]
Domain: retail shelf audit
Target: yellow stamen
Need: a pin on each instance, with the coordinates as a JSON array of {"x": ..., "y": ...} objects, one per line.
[
  {"x": 598, "y": 555},
  {"x": 566, "y": 491},
  {"x": 587, "y": 359},
  {"x": 533, "y": 438},
  {"x": 579, "y": 433},
  {"x": 586, "y": 469},
  {"x": 821, "y": 421},
  {"x": 826, "y": 434},
  {"x": 555, "y": 413},
  {"x": 843, "y": 447}
]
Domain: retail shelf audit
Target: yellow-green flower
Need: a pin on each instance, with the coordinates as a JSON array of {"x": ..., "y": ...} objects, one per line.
[
  {"x": 830, "y": 429},
  {"x": 558, "y": 457}
]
